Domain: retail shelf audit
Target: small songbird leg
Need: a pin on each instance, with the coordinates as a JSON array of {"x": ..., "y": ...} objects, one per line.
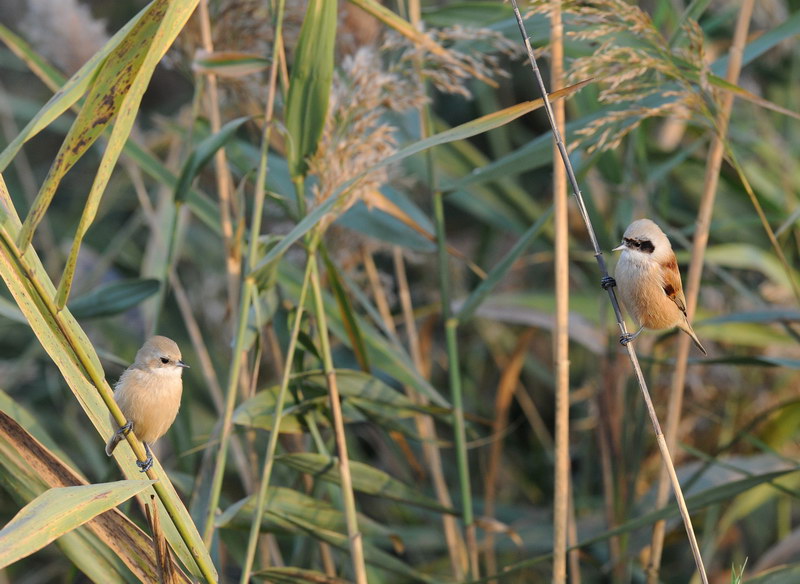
[
  {"x": 124, "y": 430},
  {"x": 608, "y": 282},
  {"x": 628, "y": 337},
  {"x": 147, "y": 464}
]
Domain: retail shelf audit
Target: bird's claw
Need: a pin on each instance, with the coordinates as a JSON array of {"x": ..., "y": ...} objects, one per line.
[
  {"x": 608, "y": 282},
  {"x": 626, "y": 338},
  {"x": 146, "y": 465},
  {"x": 125, "y": 430}
]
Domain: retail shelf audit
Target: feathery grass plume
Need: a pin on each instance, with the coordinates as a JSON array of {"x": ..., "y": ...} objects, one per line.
[
  {"x": 63, "y": 31},
  {"x": 366, "y": 88},
  {"x": 357, "y": 134},
  {"x": 471, "y": 53},
  {"x": 636, "y": 68}
]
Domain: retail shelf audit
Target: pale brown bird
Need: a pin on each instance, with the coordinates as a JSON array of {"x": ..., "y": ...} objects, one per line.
[
  {"x": 649, "y": 282},
  {"x": 149, "y": 394}
]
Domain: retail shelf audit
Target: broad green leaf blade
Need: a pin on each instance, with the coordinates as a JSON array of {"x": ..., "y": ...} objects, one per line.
[
  {"x": 124, "y": 68},
  {"x": 59, "y": 511},
  {"x": 66, "y": 94},
  {"x": 310, "y": 84},
  {"x": 283, "y": 503},
  {"x": 366, "y": 479},
  {"x": 113, "y": 298},
  {"x": 202, "y": 154},
  {"x": 467, "y": 130}
]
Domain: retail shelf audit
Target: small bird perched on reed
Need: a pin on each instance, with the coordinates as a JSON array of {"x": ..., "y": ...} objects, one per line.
[
  {"x": 149, "y": 394},
  {"x": 649, "y": 282}
]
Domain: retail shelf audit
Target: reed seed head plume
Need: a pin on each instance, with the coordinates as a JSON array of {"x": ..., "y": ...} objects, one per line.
[
  {"x": 357, "y": 133},
  {"x": 469, "y": 53},
  {"x": 636, "y": 68}
]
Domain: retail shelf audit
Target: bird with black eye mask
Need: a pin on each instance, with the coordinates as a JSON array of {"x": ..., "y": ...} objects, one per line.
[{"x": 649, "y": 282}]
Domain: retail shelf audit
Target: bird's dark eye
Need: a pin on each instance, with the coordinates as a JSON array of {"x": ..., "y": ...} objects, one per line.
[{"x": 164, "y": 360}]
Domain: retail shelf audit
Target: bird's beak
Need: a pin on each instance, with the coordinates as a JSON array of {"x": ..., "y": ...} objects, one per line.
[
  {"x": 619, "y": 248},
  {"x": 182, "y": 364}
]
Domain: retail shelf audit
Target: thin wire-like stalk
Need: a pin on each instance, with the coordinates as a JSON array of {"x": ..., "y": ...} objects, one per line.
[
  {"x": 343, "y": 459},
  {"x": 269, "y": 455},
  {"x": 561, "y": 480},
  {"x": 222, "y": 174},
  {"x": 272, "y": 444},
  {"x": 598, "y": 254},
  {"x": 426, "y": 426},
  {"x": 702, "y": 228},
  {"x": 454, "y": 372}
]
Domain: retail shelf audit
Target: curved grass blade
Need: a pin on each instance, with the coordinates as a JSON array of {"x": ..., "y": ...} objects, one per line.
[
  {"x": 202, "y": 154},
  {"x": 130, "y": 68},
  {"x": 113, "y": 298},
  {"x": 59, "y": 511}
]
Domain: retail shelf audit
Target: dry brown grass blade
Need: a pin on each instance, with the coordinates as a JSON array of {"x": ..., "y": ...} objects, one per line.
[
  {"x": 376, "y": 199},
  {"x": 166, "y": 569},
  {"x": 38, "y": 465}
]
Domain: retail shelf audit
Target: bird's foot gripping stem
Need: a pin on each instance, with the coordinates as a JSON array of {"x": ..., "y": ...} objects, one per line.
[
  {"x": 147, "y": 464},
  {"x": 608, "y": 282},
  {"x": 124, "y": 430}
]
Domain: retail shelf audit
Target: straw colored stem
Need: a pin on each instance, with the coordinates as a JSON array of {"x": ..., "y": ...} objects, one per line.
[
  {"x": 426, "y": 426},
  {"x": 222, "y": 174},
  {"x": 343, "y": 459},
  {"x": 561, "y": 333},
  {"x": 703, "y": 225}
]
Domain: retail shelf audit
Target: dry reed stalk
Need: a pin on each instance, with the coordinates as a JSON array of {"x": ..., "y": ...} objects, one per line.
[
  {"x": 222, "y": 174},
  {"x": 692, "y": 288},
  {"x": 426, "y": 428},
  {"x": 502, "y": 404},
  {"x": 561, "y": 479}
]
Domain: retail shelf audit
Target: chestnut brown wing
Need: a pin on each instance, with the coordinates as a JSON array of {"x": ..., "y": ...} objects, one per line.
[{"x": 671, "y": 279}]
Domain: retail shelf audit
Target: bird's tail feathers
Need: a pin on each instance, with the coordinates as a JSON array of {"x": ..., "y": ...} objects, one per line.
[{"x": 687, "y": 328}]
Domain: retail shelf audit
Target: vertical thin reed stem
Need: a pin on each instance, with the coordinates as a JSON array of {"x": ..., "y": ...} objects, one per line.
[
  {"x": 343, "y": 459},
  {"x": 426, "y": 427},
  {"x": 224, "y": 180},
  {"x": 598, "y": 254},
  {"x": 561, "y": 490},
  {"x": 454, "y": 372},
  {"x": 702, "y": 228}
]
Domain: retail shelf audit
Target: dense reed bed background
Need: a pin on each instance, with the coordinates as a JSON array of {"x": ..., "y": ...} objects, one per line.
[{"x": 403, "y": 367}]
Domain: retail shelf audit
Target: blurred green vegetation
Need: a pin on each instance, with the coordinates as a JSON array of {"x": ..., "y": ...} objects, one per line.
[{"x": 364, "y": 132}]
